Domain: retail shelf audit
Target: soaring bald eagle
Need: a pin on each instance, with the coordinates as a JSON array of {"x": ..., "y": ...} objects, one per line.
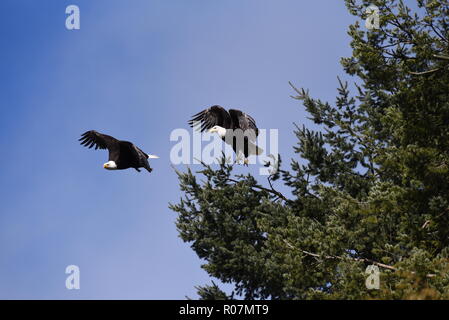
[
  {"x": 226, "y": 124},
  {"x": 122, "y": 154}
]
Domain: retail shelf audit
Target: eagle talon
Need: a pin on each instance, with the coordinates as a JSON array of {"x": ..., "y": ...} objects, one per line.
[{"x": 239, "y": 159}]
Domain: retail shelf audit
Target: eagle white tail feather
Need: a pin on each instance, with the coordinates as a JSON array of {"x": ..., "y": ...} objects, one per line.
[
  {"x": 152, "y": 156},
  {"x": 255, "y": 150}
]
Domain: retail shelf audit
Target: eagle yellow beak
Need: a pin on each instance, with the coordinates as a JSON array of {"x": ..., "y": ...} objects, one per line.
[
  {"x": 211, "y": 130},
  {"x": 105, "y": 165}
]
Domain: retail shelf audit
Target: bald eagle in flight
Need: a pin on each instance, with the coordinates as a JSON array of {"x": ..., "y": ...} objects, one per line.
[
  {"x": 226, "y": 124},
  {"x": 122, "y": 154}
]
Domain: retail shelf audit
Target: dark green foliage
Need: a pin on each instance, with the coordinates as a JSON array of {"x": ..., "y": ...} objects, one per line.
[
  {"x": 372, "y": 187},
  {"x": 212, "y": 292}
]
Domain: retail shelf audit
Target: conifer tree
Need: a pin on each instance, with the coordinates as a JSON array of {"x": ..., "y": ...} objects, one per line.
[{"x": 370, "y": 188}]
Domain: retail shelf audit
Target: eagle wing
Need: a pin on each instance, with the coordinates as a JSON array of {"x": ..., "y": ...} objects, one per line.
[
  {"x": 143, "y": 157},
  {"x": 101, "y": 141},
  {"x": 245, "y": 122},
  {"x": 213, "y": 116},
  {"x": 134, "y": 155}
]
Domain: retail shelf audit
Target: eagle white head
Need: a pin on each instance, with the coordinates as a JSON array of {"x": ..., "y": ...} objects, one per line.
[
  {"x": 220, "y": 130},
  {"x": 110, "y": 165}
]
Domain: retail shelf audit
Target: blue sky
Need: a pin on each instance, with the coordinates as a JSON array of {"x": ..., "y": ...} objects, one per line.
[{"x": 136, "y": 70}]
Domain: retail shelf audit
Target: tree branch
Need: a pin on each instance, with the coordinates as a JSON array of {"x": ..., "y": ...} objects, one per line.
[
  {"x": 425, "y": 72},
  {"x": 382, "y": 265},
  {"x": 441, "y": 57},
  {"x": 272, "y": 190}
]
